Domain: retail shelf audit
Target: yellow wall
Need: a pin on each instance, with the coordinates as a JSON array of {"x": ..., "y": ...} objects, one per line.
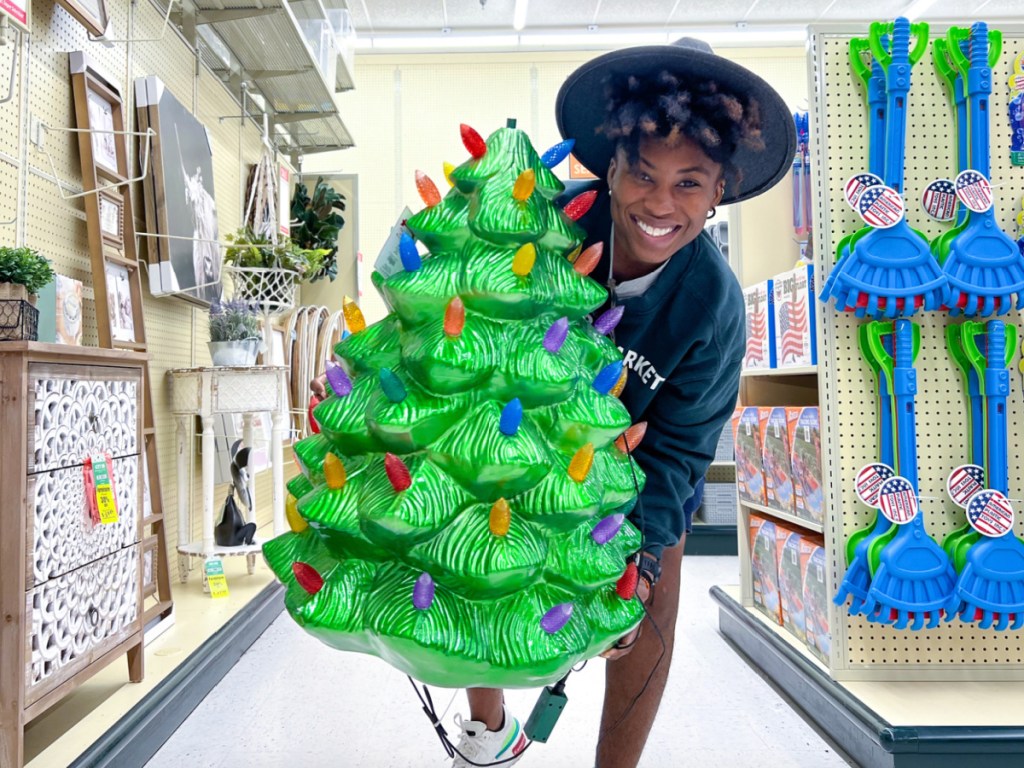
[
  {"x": 405, "y": 115},
  {"x": 176, "y": 331}
]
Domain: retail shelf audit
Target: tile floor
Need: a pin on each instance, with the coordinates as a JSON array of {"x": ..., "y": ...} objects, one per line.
[{"x": 295, "y": 703}]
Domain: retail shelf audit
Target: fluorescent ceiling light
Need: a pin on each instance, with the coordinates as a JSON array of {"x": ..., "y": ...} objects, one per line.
[
  {"x": 918, "y": 8},
  {"x": 519, "y": 15},
  {"x": 434, "y": 42}
]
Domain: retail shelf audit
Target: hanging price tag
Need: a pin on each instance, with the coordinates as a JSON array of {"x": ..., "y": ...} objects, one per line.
[
  {"x": 897, "y": 500},
  {"x": 974, "y": 191},
  {"x": 215, "y": 578},
  {"x": 990, "y": 513},
  {"x": 881, "y": 207},
  {"x": 857, "y": 186},
  {"x": 939, "y": 200},
  {"x": 963, "y": 482},
  {"x": 869, "y": 482},
  {"x": 106, "y": 504}
]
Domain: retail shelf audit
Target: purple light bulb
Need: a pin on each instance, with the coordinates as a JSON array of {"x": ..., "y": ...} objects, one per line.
[
  {"x": 605, "y": 530},
  {"x": 555, "y": 336},
  {"x": 606, "y": 323},
  {"x": 341, "y": 384},
  {"x": 423, "y": 592},
  {"x": 556, "y": 618}
]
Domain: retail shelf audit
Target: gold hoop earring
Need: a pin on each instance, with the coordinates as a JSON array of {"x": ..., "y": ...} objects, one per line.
[{"x": 711, "y": 214}]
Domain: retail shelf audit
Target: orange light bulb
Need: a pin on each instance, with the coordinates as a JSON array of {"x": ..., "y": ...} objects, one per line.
[
  {"x": 501, "y": 518},
  {"x": 524, "y": 185},
  {"x": 585, "y": 264},
  {"x": 353, "y": 316},
  {"x": 454, "y": 317},
  {"x": 581, "y": 463},
  {"x": 427, "y": 189},
  {"x": 524, "y": 259},
  {"x": 632, "y": 437},
  {"x": 334, "y": 472}
]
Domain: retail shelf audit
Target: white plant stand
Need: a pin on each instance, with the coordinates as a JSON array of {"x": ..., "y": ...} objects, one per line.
[{"x": 207, "y": 392}]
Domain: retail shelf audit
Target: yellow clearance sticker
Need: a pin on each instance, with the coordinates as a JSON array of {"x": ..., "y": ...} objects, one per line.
[
  {"x": 105, "y": 501},
  {"x": 215, "y": 578}
]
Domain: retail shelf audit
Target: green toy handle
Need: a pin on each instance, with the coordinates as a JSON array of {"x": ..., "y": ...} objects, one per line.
[
  {"x": 878, "y": 28},
  {"x": 956, "y": 36},
  {"x": 877, "y": 349},
  {"x": 858, "y": 45},
  {"x": 945, "y": 68}
]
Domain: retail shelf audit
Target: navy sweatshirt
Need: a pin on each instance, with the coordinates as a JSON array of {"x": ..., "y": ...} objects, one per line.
[{"x": 683, "y": 340}]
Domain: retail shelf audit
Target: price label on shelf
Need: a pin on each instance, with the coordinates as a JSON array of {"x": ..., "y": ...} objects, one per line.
[
  {"x": 963, "y": 482},
  {"x": 989, "y": 512},
  {"x": 869, "y": 482},
  {"x": 215, "y": 578},
  {"x": 897, "y": 500}
]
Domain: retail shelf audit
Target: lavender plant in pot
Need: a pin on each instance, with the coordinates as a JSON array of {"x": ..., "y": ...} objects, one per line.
[{"x": 234, "y": 333}]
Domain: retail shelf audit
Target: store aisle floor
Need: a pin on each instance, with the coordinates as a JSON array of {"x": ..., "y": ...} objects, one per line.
[{"x": 295, "y": 703}]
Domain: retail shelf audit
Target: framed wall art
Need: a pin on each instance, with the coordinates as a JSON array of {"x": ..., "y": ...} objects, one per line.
[
  {"x": 180, "y": 204},
  {"x": 91, "y": 14},
  {"x": 112, "y": 218}
]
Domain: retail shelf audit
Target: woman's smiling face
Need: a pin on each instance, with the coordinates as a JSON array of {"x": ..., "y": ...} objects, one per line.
[{"x": 661, "y": 202}]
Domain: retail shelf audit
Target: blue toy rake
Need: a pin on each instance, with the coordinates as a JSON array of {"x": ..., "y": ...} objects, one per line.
[
  {"x": 891, "y": 272},
  {"x": 912, "y": 577},
  {"x": 984, "y": 265},
  {"x": 991, "y": 584},
  {"x": 857, "y": 578}
]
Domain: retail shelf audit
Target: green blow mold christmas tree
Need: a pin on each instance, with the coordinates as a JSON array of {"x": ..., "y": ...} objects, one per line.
[{"x": 461, "y": 512}]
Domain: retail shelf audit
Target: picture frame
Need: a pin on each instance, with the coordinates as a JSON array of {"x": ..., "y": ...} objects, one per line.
[
  {"x": 112, "y": 218},
  {"x": 91, "y": 14},
  {"x": 120, "y": 308},
  {"x": 102, "y": 111}
]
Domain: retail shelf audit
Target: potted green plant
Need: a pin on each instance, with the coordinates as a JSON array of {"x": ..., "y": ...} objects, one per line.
[
  {"x": 234, "y": 333},
  {"x": 264, "y": 271},
  {"x": 316, "y": 222},
  {"x": 23, "y": 272}
]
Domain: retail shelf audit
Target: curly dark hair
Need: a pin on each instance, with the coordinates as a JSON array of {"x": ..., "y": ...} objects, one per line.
[{"x": 673, "y": 109}]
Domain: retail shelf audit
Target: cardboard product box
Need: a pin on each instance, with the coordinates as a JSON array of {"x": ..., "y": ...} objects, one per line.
[
  {"x": 806, "y": 464},
  {"x": 776, "y": 459},
  {"x": 748, "y": 432},
  {"x": 68, "y": 310},
  {"x": 816, "y": 602},
  {"x": 764, "y": 566},
  {"x": 796, "y": 551},
  {"x": 760, "y": 326},
  {"x": 794, "y": 308}
]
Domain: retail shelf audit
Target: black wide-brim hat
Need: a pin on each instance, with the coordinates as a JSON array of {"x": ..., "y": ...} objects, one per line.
[{"x": 581, "y": 107}]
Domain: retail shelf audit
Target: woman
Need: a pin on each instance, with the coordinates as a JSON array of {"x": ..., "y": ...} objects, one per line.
[{"x": 675, "y": 131}]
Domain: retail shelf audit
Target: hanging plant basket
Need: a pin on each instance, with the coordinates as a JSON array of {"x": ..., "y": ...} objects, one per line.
[{"x": 271, "y": 289}]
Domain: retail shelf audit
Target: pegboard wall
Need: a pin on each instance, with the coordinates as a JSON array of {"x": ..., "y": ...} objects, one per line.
[
  {"x": 176, "y": 331},
  {"x": 862, "y": 650}
]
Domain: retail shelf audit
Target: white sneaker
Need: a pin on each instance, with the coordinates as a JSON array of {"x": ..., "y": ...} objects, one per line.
[{"x": 483, "y": 746}]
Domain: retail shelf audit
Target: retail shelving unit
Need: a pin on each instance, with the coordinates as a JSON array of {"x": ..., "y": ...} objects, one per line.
[
  {"x": 942, "y": 697},
  {"x": 288, "y": 52}
]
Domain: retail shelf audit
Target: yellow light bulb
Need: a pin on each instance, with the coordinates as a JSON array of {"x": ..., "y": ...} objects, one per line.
[
  {"x": 291, "y": 514},
  {"x": 524, "y": 259},
  {"x": 334, "y": 472},
  {"x": 619, "y": 385},
  {"x": 581, "y": 463},
  {"x": 524, "y": 185},
  {"x": 574, "y": 254},
  {"x": 448, "y": 168},
  {"x": 353, "y": 316},
  {"x": 501, "y": 517}
]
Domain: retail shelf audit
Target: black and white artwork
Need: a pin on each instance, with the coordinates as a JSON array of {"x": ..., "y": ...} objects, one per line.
[{"x": 185, "y": 206}]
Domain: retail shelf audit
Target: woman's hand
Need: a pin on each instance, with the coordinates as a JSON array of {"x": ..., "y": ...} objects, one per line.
[
  {"x": 317, "y": 386},
  {"x": 628, "y": 641}
]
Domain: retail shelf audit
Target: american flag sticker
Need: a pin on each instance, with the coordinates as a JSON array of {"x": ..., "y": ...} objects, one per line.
[
  {"x": 939, "y": 200},
  {"x": 869, "y": 482},
  {"x": 857, "y": 186},
  {"x": 793, "y": 329},
  {"x": 963, "y": 482},
  {"x": 974, "y": 191},
  {"x": 990, "y": 513},
  {"x": 757, "y": 334},
  {"x": 897, "y": 500},
  {"x": 881, "y": 207}
]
